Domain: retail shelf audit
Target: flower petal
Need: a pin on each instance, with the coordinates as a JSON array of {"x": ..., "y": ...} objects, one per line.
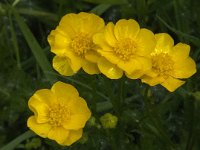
[
  {"x": 135, "y": 75},
  {"x": 42, "y": 129},
  {"x": 74, "y": 135},
  {"x": 75, "y": 61},
  {"x": 64, "y": 92},
  {"x": 109, "y": 34},
  {"x": 62, "y": 65},
  {"x": 126, "y": 29},
  {"x": 146, "y": 42},
  {"x": 152, "y": 81},
  {"x": 40, "y": 109},
  {"x": 100, "y": 41},
  {"x": 90, "y": 68},
  {"x": 59, "y": 134},
  {"x": 109, "y": 69},
  {"x": 164, "y": 42},
  {"x": 180, "y": 51},
  {"x": 69, "y": 24},
  {"x": 171, "y": 84},
  {"x": 58, "y": 41},
  {"x": 135, "y": 64},
  {"x": 80, "y": 113},
  {"x": 90, "y": 23},
  {"x": 184, "y": 68},
  {"x": 92, "y": 56},
  {"x": 43, "y": 96}
]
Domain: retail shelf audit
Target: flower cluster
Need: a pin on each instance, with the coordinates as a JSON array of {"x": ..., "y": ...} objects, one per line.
[
  {"x": 84, "y": 41},
  {"x": 59, "y": 113}
]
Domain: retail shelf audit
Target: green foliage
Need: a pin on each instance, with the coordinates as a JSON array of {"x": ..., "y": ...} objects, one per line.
[{"x": 147, "y": 120}]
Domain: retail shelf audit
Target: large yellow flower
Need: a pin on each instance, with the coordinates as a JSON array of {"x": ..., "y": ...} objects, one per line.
[
  {"x": 169, "y": 63},
  {"x": 124, "y": 47},
  {"x": 59, "y": 113},
  {"x": 72, "y": 43}
]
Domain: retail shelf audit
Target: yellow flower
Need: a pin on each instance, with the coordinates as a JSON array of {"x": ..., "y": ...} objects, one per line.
[
  {"x": 59, "y": 113},
  {"x": 169, "y": 63},
  {"x": 72, "y": 43},
  {"x": 108, "y": 121},
  {"x": 124, "y": 47}
]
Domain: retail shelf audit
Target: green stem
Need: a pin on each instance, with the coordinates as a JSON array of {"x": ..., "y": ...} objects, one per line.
[
  {"x": 11, "y": 145},
  {"x": 153, "y": 115}
]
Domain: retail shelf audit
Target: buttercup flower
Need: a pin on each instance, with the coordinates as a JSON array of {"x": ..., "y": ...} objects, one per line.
[
  {"x": 72, "y": 43},
  {"x": 59, "y": 113},
  {"x": 124, "y": 47},
  {"x": 169, "y": 63}
]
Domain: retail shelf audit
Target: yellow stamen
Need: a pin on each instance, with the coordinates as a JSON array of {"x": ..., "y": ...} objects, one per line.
[
  {"x": 162, "y": 64},
  {"x": 81, "y": 44},
  {"x": 125, "y": 49},
  {"x": 57, "y": 114}
]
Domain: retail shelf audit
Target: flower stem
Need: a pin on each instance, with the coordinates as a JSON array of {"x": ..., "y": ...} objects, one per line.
[{"x": 153, "y": 116}]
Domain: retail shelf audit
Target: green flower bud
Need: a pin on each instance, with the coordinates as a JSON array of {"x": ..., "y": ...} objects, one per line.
[
  {"x": 108, "y": 121},
  {"x": 92, "y": 121}
]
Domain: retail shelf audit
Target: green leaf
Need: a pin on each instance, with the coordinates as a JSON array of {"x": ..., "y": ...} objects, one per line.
[
  {"x": 196, "y": 95},
  {"x": 18, "y": 140},
  {"x": 113, "y": 2},
  {"x": 100, "y": 9},
  {"x": 37, "y": 51}
]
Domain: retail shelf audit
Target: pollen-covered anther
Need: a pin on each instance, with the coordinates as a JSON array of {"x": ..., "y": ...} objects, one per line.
[
  {"x": 81, "y": 44},
  {"x": 57, "y": 114},
  {"x": 162, "y": 64},
  {"x": 125, "y": 49}
]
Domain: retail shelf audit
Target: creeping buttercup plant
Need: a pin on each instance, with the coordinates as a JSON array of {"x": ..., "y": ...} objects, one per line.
[{"x": 120, "y": 81}]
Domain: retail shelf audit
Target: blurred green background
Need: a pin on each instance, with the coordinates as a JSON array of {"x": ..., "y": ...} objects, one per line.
[{"x": 169, "y": 121}]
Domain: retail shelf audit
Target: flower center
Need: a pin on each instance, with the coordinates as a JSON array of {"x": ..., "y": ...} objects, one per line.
[
  {"x": 125, "y": 49},
  {"x": 162, "y": 64},
  {"x": 57, "y": 114},
  {"x": 81, "y": 44}
]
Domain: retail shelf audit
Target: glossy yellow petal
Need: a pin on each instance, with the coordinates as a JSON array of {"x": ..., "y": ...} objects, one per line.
[
  {"x": 64, "y": 92},
  {"x": 75, "y": 61},
  {"x": 185, "y": 68},
  {"x": 90, "y": 23},
  {"x": 126, "y": 29},
  {"x": 62, "y": 65},
  {"x": 40, "y": 109},
  {"x": 80, "y": 113},
  {"x": 92, "y": 56},
  {"x": 145, "y": 42},
  {"x": 152, "y": 81},
  {"x": 79, "y": 106},
  {"x": 164, "y": 42},
  {"x": 45, "y": 96},
  {"x": 109, "y": 34},
  {"x": 59, "y": 134},
  {"x": 100, "y": 41},
  {"x": 74, "y": 135},
  {"x": 135, "y": 64},
  {"x": 180, "y": 51},
  {"x": 110, "y": 56},
  {"x": 90, "y": 68},
  {"x": 42, "y": 129},
  {"x": 171, "y": 84},
  {"x": 58, "y": 41},
  {"x": 69, "y": 24},
  {"x": 135, "y": 75},
  {"x": 108, "y": 69}
]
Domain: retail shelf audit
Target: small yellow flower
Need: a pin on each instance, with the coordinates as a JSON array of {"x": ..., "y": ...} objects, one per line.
[
  {"x": 72, "y": 43},
  {"x": 108, "y": 121},
  {"x": 59, "y": 113},
  {"x": 124, "y": 47},
  {"x": 169, "y": 63}
]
